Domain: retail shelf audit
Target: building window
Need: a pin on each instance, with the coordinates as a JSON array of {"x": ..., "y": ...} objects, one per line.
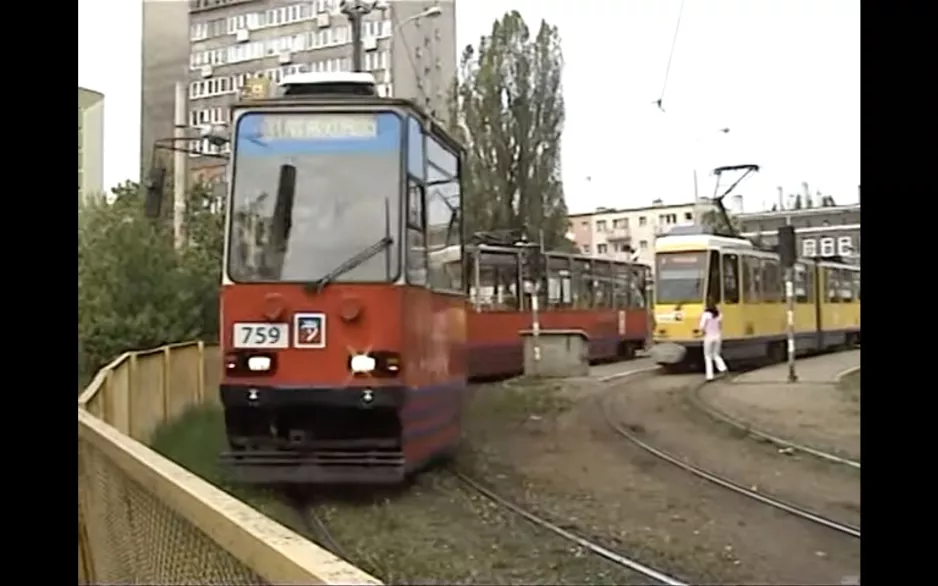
[
  {"x": 689, "y": 216},
  {"x": 586, "y": 248},
  {"x": 643, "y": 244},
  {"x": 601, "y": 226},
  {"x": 642, "y": 221},
  {"x": 845, "y": 246},
  {"x": 827, "y": 247},
  {"x": 620, "y": 223},
  {"x": 809, "y": 248},
  {"x": 601, "y": 248}
]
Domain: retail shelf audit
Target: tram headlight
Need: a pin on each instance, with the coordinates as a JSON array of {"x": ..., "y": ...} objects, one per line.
[
  {"x": 362, "y": 363},
  {"x": 259, "y": 363}
]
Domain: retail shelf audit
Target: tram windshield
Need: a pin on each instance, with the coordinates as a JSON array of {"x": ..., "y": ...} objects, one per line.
[
  {"x": 345, "y": 195},
  {"x": 680, "y": 277}
]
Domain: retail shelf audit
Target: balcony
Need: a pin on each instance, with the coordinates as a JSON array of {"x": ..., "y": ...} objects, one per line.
[{"x": 619, "y": 234}]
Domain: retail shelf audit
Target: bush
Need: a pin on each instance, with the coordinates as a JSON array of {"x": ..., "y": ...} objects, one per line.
[{"x": 134, "y": 290}]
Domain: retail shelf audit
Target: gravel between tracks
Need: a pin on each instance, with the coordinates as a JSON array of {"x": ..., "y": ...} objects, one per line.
[
  {"x": 566, "y": 464},
  {"x": 438, "y": 531}
]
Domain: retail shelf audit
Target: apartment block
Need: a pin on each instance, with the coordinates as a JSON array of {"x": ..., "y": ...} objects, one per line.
[
  {"x": 409, "y": 46},
  {"x": 90, "y": 142},
  {"x": 629, "y": 233}
]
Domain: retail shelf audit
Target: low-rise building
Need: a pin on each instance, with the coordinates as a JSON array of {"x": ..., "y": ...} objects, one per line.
[
  {"x": 819, "y": 231},
  {"x": 629, "y": 233}
]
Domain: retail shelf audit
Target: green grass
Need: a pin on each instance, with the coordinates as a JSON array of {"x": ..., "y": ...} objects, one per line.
[
  {"x": 520, "y": 399},
  {"x": 432, "y": 530},
  {"x": 194, "y": 441}
]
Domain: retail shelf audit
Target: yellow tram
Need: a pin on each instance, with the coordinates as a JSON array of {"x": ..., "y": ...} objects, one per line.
[{"x": 747, "y": 284}]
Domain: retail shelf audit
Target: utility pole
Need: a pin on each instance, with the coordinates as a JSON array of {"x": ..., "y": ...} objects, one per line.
[
  {"x": 180, "y": 123},
  {"x": 788, "y": 253},
  {"x": 355, "y": 11}
]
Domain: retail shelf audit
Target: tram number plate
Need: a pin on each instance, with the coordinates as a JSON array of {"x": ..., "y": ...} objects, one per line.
[{"x": 261, "y": 335}]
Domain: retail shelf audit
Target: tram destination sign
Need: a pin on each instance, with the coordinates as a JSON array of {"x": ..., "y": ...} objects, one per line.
[{"x": 318, "y": 126}]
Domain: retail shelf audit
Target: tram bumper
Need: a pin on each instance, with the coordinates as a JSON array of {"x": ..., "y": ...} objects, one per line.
[
  {"x": 336, "y": 435},
  {"x": 332, "y": 467}
]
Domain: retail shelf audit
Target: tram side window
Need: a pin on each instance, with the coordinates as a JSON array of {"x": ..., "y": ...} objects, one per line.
[
  {"x": 730, "y": 279},
  {"x": 846, "y": 286},
  {"x": 496, "y": 289},
  {"x": 620, "y": 285},
  {"x": 833, "y": 285},
  {"x": 801, "y": 284},
  {"x": 443, "y": 214},
  {"x": 582, "y": 285},
  {"x": 416, "y": 237},
  {"x": 602, "y": 284},
  {"x": 811, "y": 283},
  {"x": 713, "y": 279},
  {"x": 416, "y": 163},
  {"x": 638, "y": 287},
  {"x": 559, "y": 292},
  {"x": 753, "y": 273},
  {"x": 508, "y": 282},
  {"x": 772, "y": 281}
]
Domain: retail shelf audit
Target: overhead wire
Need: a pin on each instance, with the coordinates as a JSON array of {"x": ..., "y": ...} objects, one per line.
[{"x": 667, "y": 70}]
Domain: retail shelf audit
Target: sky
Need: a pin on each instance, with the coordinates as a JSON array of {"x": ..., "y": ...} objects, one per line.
[{"x": 782, "y": 75}]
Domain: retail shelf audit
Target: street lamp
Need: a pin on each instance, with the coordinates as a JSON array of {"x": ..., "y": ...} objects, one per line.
[
  {"x": 431, "y": 12},
  {"x": 356, "y": 10}
]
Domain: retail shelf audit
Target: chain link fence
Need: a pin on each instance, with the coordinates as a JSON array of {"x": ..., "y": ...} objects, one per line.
[{"x": 145, "y": 520}]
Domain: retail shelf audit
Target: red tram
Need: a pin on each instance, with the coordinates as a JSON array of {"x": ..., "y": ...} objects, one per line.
[
  {"x": 344, "y": 348},
  {"x": 603, "y": 298}
]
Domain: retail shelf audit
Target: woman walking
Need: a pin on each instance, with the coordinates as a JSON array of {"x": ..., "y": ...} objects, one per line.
[{"x": 710, "y": 324}]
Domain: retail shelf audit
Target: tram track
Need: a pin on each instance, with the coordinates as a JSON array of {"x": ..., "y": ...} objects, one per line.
[
  {"x": 313, "y": 524},
  {"x": 695, "y": 399},
  {"x": 630, "y": 434},
  {"x": 591, "y": 546},
  {"x": 587, "y": 544}
]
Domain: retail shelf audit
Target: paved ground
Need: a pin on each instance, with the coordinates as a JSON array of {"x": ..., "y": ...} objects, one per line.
[
  {"x": 620, "y": 368},
  {"x": 815, "y": 411}
]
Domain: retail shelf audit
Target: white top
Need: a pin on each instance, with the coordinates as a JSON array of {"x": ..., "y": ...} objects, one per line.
[{"x": 710, "y": 325}]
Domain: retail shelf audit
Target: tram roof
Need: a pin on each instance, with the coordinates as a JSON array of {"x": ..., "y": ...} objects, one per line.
[{"x": 701, "y": 241}]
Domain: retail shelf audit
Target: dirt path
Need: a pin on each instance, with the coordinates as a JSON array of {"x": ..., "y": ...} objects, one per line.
[
  {"x": 816, "y": 412},
  {"x": 563, "y": 460}
]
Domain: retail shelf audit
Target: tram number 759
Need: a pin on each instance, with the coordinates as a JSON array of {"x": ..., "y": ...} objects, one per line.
[{"x": 260, "y": 335}]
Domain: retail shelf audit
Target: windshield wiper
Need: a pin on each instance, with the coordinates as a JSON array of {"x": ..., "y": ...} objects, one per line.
[{"x": 350, "y": 264}]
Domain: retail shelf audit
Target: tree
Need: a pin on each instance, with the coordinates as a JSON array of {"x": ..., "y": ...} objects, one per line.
[
  {"x": 798, "y": 202},
  {"x": 134, "y": 290},
  {"x": 507, "y": 108},
  {"x": 716, "y": 222}
]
